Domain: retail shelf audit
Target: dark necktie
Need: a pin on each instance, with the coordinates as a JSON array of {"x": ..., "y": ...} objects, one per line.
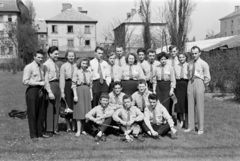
[
  {"x": 57, "y": 72},
  {"x": 130, "y": 72},
  {"x": 128, "y": 115},
  {"x": 193, "y": 71},
  {"x": 119, "y": 59},
  {"x": 72, "y": 70},
  {"x": 112, "y": 72},
  {"x": 100, "y": 72},
  {"x": 40, "y": 73},
  {"x": 151, "y": 72},
  {"x": 154, "y": 117},
  {"x": 84, "y": 77},
  {"x": 143, "y": 102},
  {"x": 182, "y": 72},
  {"x": 173, "y": 62},
  {"x": 162, "y": 73}
]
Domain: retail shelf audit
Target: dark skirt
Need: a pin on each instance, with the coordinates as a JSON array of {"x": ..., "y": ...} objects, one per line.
[
  {"x": 97, "y": 90},
  {"x": 69, "y": 96},
  {"x": 83, "y": 105},
  {"x": 181, "y": 94},
  {"x": 129, "y": 86},
  {"x": 111, "y": 86},
  {"x": 162, "y": 91}
]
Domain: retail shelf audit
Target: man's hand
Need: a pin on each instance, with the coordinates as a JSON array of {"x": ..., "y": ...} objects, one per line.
[
  {"x": 75, "y": 99},
  {"x": 42, "y": 83},
  {"x": 51, "y": 96},
  {"x": 63, "y": 95},
  {"x": 171, "y": 92}
]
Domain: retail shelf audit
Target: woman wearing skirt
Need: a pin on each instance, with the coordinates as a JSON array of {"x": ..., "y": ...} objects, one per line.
[
  {"x": 66, "y": 74},
  {"x": 82, "y": 83},
  {"x": 131, "y": 73},
  {"x": 164, "y": 82},
  {"x": 181, "y": 73}
]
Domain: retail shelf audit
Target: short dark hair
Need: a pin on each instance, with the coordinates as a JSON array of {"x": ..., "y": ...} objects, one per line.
[
  {"x": 141, "y": 50},
  {"x": 126, "y": 97},
  {"x": 70, "y": 51},
  {"x": 39, "y": 52},
  {"x": 111, "y": 54},
  {"x": 80, "y": 60},
  {"x": 52, "y": 49},
  {"x": 135, "y": 57},
  {"x": 152, "y": 96},
  {"x": 172, "y": 47},
  {"x": 141, "y": 81},
  {"x": 117, "y": 83},
  {"x": 99, "y": 48},
  {"x": 196, "y": 47},
  {"x": 104, "y": 95},
  {"x": 151, "y": 51},
  {"x": 162, "y": 54}
]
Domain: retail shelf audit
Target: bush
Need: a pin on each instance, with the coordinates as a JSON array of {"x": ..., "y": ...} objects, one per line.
[{"x": 14, "y": 65}]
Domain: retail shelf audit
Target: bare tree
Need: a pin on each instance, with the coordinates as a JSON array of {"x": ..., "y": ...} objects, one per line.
[
  {"x": 178, "y": 18},
  {"x": 210, "y": 34},
  {"x": 145, "y": 11},
  {"x": 31, "y": 10}
]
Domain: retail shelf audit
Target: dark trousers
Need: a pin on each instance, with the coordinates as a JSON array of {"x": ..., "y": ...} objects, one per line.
[
  {"x": 162, "y": 129},
  {"x": 35, "y": 111},
  {"x": 53, "y": 107},
  {"x": 97, "y": 90},
  {"x": 150, "y": 86},
  {"x": 110, "y": 89},
  {"x": 96, "y": 127}
]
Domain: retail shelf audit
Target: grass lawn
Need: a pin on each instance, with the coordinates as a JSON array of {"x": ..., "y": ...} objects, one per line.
[{"x": 221, "y": 140}]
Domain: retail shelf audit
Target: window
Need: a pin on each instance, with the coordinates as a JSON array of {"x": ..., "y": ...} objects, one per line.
[
  {"x": 54, "y": 43},
  {"x": 70, "y": 43},
  {"x": 1, "y": 18},
  {"x": 232, "y": 32},
  {"x": 1, "y": 33},
  {"x": 87, "y": 42},
  {"x": 41, "y": 36},
  {"x": 54, "y": 29},
  {"x": 232, "y": 23},
  {"x": 225, "y": 24},
  {"x": 225, "y": 33},
  {"x": 70, "y": 29},
  {"x": 9, "y": 19},
  {"x": 10, "y": 50},
  {"x": 42, "y": 46},
  {"x": 2, "y": 50},
  {"x": 87, "y": 30}
]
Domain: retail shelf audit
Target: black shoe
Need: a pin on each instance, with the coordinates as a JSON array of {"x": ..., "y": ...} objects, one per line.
[
  {"x": 97, "y": 138},
  {"x": 174, "y": 135},
  {"x": 139, "y": 139},
  {"x": 156, "y": 137}
]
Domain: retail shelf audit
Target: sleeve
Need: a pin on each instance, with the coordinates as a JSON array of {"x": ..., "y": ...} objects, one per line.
[
  {"x": 47, "y": 87},
  {"x": 107, "y": 76},
  {"x": 90, "y": 114},
  {"x": 146, "y": 113},
  {"x": 27, "y": 80},
  {"x": 206, "y": 74},
  {"x": 173, "y": 79},
  {"x": 62, "y": 79},
  {"x": 74, "y": 79},
  {"x": 154, "y": 80},
  {"x": 167, "y": 116},
  {"x": 116, "y": 114},
  {"x": 140, "y": 115},
  {"x": 134, "y": 102},
  {"x": 109, "y": 113}
]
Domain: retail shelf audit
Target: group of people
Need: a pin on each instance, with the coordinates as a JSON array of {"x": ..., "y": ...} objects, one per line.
[{"x": 129, "y": 94}]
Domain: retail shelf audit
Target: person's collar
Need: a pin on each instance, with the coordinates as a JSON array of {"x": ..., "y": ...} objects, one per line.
[
  {"x": 36, "y": 64},
  {"x": 145, "y": 92},
  {"x": 151, "y": 62},
  {"x": 115, "y": 95}
]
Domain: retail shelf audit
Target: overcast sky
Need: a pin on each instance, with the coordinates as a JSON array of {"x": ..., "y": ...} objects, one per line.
[{"x": 205, "y": 17}]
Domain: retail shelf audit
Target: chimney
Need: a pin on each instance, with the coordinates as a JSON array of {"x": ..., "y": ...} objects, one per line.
[
  {"x": 128, "y": 15},
  {"x": 237, "y": 8},
  {"x": 80, "y": 9},
  {"x": 133, "y": 12},
  {"x": 66, "y": 6}
]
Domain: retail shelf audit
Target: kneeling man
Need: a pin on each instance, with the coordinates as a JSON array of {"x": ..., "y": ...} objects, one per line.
[
  {"x": 157, "y": 119},
  {"x": 129, "y": 116},
  {"x": 100, "y": 117}
]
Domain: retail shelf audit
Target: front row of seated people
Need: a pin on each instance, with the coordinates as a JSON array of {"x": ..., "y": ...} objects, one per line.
[{"x": 119, "y": 109}]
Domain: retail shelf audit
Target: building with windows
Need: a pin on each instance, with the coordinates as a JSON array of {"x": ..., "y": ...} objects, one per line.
[
  {"x": 9, "y": 13},
  {"x": 72, "y": 30},
  {"x": 230, "y": 24},
  {"x": 41, "y": 28}
]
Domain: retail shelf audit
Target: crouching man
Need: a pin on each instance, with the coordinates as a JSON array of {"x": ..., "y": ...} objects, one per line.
[
  {"x": 129, "y": 116},
  {"x": 157, "y": 120},
  {"x": 100, "y": 117}
]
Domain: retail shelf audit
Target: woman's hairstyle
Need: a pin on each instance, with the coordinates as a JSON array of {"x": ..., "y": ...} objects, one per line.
[
  {"x": 80, "y": 60},
  {"x": 52, "y": 49},
  {"x": 162, "y": 54},
  {"x": 184, "y": 54},
  {"x": 152, "y": 97},
  {"x": 135, "y": 58},
  {"x": 126, "y": 97},
  {"x": 70, "y": 51}
]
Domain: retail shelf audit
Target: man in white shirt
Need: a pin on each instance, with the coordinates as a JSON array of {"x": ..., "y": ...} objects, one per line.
[{"x": 100, "y": 75}]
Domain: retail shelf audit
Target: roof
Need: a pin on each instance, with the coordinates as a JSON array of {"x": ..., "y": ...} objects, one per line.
[
  {"x": 9, "y": 6},
  {"x": 71, "y": 15},
  {"x": 232, "y": 42},
  {"x": 41, "y": 26},
  {"x": 79, "y": 54},
  {"x": 236, "y": 13},
  {"x": 138, "y": 19}
]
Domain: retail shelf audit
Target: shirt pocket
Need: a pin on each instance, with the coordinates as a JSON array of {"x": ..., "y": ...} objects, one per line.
[
  {"x": 167, "y": 72},
  {"x": 135, "y": 72},
  {"x": 35, "y": 74}
]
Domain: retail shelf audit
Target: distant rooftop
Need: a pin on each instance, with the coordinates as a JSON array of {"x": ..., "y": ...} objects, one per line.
[
  {"x": 41, "y": 26},
  {"x": 69, "y": 14},
  {"x": 8, "y": 6},
  {"x": 235, "y": 13}
]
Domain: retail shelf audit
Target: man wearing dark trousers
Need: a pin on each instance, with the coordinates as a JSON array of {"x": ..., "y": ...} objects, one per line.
[
  {"x": 33, "y": 77},
  {"x": 100, "y": 117},
  {"x": 100, "y": 75}
]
